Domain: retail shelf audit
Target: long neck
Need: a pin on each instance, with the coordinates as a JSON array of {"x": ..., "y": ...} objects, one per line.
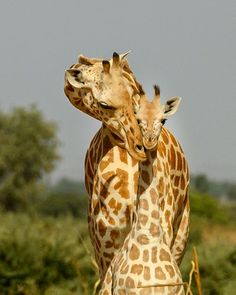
[
  {"x": 114, "y": 139},
  {"x": 148, "y": 213}
]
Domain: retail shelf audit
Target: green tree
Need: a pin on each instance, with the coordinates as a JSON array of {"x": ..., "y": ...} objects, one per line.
[
  {"x": 28, "y": 150},
  {"x": 201, "y": 183},
  {"x": 232, "y": 192}
]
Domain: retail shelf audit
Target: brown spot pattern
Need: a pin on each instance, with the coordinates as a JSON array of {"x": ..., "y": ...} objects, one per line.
[
  {"x": 123, "y": 156},
  {"x": 165, "y": 138},
  {"x": 144, "y": 204},
  {"x": 154, "y": 255},
  {"x": 146, "y": 273},
  {"x": 129, "y": 283},
  {"x": 164, "y": 255},
  {"x": 143, "y": 219},
  {"x": 155, "y": 214},
  {"x": 136, "y": 178},
  {"x": 136, "y": 269},
  {"x": 134, "y": 252},
  {"x": 179, "y": 161},
  {"x": 172, "y": 157},
  {"x": 153, "y": 195},
  {"x": 101, "y": 228},
  {"x": 154, "y": 230},
  {"x": 173, "y": 139},
  {"x": 122, "y": 185},
  {"x": 146, "y": 177},
  {"x": 143, "y": 239},
  {"x": 145, "y": 255},
  {"x": 160, "y": 275},
  {"x": 170, "y": 270}
]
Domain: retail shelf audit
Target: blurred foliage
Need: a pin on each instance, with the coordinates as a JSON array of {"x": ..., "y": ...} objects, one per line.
[
  {"x": 49, "y": 252},
  {"x": 44, "y": 255},
  {"x": 45, "y": 246},
  {"x": 208, "y": 207},
  {"x": 61, "y": 204},
  {"x": 28, "y": 151},
  {"x": 66, "y": 197},
  {"x": 66, "y": 185},
  {"x": 223, "y": 190},
  {"x": 201, "y": 183},
  {"x": 217, "y": 256},
  {"x": 216, "y": 268}
]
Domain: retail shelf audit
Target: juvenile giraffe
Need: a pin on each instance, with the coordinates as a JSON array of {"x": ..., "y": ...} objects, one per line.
[
  {"x": 104, "y": 90},
  {"x": 148, "y": 261},
  {"x": 151, "y": 117}
]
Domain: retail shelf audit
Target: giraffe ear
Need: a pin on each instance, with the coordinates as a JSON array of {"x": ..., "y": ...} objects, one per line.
[
  {"x": 106, "y": 66},
  {"x": 72, "y": 76},
  {"x": 171, "y": 106},
  {"x": 88, "y": 61}
]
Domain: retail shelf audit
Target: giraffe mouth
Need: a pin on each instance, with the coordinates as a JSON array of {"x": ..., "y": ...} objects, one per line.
[
  {"x": 136, "y": 150},
  {"x": 150, "y": 145}
]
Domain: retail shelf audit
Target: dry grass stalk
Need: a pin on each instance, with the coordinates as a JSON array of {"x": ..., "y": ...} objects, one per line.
[{"x": 196, "y": 271}]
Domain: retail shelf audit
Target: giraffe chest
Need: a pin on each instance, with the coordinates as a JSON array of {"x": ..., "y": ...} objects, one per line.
[
  {"x": 112, "y": 181},
  {"x": 114, "y": 189}
]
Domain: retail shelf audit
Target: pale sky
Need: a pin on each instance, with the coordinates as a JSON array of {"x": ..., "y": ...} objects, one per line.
[{"x": 186, "y": 47}]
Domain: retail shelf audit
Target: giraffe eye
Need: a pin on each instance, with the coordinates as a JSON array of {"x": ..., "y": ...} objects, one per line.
[
  {"x": 139, "y": 121},
  {"x": 163, "y": 121},
  {"x": 104, "y": 105}
]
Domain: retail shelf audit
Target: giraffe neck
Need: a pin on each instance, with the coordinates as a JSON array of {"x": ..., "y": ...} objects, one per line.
[
  {"x": 147, "y": 223},
  {"x": 113, "y": 138}
]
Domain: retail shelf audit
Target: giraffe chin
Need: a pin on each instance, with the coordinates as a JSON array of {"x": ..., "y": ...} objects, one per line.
[
  {"x": 137, "y": 153},
  {"x": 150, "y": 146}
]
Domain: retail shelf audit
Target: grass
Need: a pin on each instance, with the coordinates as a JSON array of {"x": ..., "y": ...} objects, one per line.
[
  {"x": 49, "y": 255},
  {"x": 216, "y": 246}
]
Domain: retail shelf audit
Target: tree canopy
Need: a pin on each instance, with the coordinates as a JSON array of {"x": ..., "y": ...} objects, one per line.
[{"x": 28, "y": 150}]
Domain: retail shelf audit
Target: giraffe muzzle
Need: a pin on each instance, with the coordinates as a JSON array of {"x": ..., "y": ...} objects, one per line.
[{"x": 140, "y": 152}]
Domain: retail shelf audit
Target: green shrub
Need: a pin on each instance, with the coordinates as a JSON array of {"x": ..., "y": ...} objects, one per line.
[
  {"x": 217, "y": 268},
  {"x": 208, "y": 207},
  {"x": 42, "y": 254},
  {"x": 57, "y": 204}
]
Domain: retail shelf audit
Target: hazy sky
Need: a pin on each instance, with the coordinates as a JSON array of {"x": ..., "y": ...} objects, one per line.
[{"x": 187, "y": 47}]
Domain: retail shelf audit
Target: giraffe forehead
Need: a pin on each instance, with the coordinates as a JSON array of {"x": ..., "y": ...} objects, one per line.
[
  {"x": 150, "y": 113},
  {"x": 91, "y": 72}
]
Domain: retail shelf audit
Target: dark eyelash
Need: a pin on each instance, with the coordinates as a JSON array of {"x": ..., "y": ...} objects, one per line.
[
  {"x": 163, "y": 121},
  {"x": 106, "y": 106}
]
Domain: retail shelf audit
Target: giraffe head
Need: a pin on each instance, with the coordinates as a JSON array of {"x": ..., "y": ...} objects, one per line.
[
  {"x": 106, "y": 89},
  {"x": 151, "y": 116}
]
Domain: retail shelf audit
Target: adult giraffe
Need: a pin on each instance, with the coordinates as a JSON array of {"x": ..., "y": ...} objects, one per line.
[{"x": 104, "y": 90}]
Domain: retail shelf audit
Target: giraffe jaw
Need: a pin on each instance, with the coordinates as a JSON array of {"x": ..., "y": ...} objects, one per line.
[{"x": 149, "y": 146}]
